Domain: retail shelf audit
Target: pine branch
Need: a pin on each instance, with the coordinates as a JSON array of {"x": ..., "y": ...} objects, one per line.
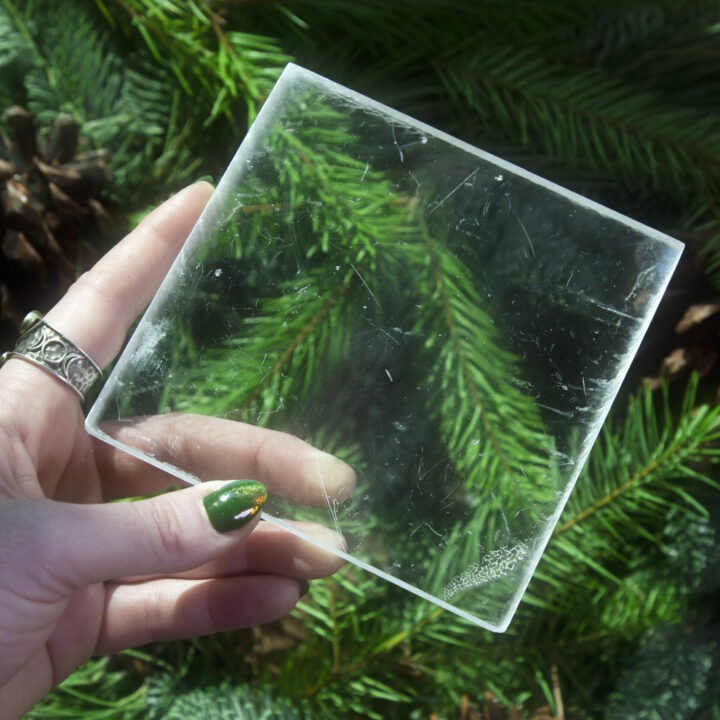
[
  {"x": 673, "y": 674},
  {"x": 684, "y": 69},
  {"x": 662, "y": 448},
  {"x": 222, "y": 702},
  {"x": 393, "y": 31},
  {"x": 15, "y": 58},
  {"x": 587, "y": 118},
  {"x": 358, "y": 629},
  {"x": 474, "y": 394},
  {"x": 123, "y": 105},
  {"x": 96, "y": 691},
  {"x": 222, "y": 68},
  {"x": 632, "y": 483},
  {"x": 299, "y": 327},
  {"x": 272, "y": 353},
  {"x": 601, "y": 587},
  {"x": 610, "y": 33}
]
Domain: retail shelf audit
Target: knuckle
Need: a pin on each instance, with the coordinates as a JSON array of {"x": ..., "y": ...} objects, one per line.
[
  {"x": 260, "y": 457},
  {"x": 170, "y": 538},
  {"x": 153, "y": 612},
  {"x": 265, "y": 453},
  {"x": 89, "y": 284},
  {"x": 175, "y": 441}
]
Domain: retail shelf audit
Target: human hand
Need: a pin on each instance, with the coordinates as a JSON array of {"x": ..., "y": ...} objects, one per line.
[{"x": 80, "y": 577}]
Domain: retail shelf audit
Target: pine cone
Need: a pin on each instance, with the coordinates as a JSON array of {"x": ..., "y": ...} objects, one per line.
[{"x": 52, "y": 221}]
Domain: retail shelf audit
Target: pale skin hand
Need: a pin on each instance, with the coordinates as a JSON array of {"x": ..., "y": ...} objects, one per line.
[{"x": 79, "y": 577}]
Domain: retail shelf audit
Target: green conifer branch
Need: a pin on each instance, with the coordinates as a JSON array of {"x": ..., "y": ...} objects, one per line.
[
  {"x": 590, "y": 117},
  {"x": 587, "y": 118},
  {"x": 658, "y": 455},
  {"x": 280, "y": 336},
  {"x": 624, "y": 36},
  {"x": 221, "y": 67},
  {"x": 626, "y": 486},
  {"x": 491, "y": 429},
  {"x": 228, "y": 381},
  {"x": 306, "y": 331},
  {"x": 633, "y": 481},
  {"x": 641, "y": 597},
  {"x": 124, "y": 105}
]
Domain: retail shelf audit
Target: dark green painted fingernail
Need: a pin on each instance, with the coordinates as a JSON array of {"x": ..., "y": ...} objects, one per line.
[
  {"x": 233, "y": 505},
  {"x": 304, "y": 587}
]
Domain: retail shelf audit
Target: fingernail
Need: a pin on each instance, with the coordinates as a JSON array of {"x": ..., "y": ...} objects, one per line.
[
  {"x": 336, "y": 478},
  {"x": 233, "y": 505},
  {"x": 304, "y": 587},
  {"x": 204, "y": 178}
]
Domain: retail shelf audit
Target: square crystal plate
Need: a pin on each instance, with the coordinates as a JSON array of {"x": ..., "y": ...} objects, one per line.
[{"x": 451, "y": 325}]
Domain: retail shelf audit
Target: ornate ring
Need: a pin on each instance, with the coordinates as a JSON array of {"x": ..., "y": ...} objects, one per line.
[{"x": 42, "y": 345}]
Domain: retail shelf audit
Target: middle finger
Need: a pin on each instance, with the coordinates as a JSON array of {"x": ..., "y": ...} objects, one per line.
[{"x": 274, "y": 551}]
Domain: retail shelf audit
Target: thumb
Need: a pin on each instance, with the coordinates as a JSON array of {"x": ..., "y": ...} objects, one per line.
[{"x": 79, "y": 545}]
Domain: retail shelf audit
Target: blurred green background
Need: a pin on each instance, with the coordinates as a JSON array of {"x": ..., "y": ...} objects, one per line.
[{"x": 110, "y": 105}]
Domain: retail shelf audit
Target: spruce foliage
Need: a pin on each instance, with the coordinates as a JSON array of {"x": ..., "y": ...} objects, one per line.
[{"x": 618, "y": 100}]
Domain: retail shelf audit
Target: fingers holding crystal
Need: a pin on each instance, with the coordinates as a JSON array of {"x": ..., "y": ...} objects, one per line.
[{"x": 212, "y": 448}]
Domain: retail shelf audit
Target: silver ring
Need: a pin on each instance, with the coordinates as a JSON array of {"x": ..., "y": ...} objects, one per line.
[{"x": 42, "y": 345}]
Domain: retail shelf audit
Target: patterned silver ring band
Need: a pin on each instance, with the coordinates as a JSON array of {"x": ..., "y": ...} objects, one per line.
[{"x": 42, "y": 345}]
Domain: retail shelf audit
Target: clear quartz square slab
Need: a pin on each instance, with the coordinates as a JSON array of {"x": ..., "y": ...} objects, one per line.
[{"x": 451, "y": 325}]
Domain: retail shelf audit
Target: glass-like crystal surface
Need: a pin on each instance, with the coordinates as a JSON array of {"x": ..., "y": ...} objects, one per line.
[{"x": 453, "y": 326}]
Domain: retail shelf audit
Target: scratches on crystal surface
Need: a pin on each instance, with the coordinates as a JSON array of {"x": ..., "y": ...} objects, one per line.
[
  {"x": 365, "y": 172},
  {"x": 367, "y": 287},
  {"x": 525, "y": 232},
  {"x": 395, "y": 142},
  {"x": 463, "y": 182},
  {"x": 557, "y": 411},
  {"x": 613, "y": 310}
]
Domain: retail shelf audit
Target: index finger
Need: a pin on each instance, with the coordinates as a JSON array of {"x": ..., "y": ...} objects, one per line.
[
  {"x": 99, "y": 308},
  {"x": 210, "y": 448}
]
